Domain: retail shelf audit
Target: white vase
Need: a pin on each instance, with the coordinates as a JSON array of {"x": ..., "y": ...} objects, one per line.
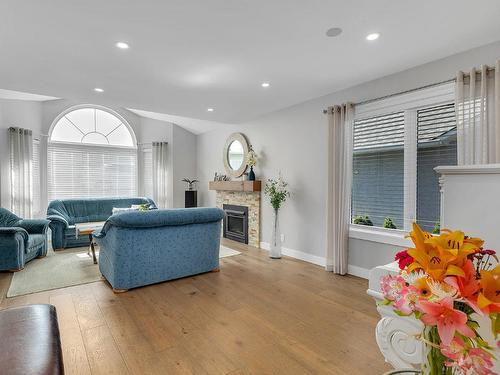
[{"x": 275, "y": 250}]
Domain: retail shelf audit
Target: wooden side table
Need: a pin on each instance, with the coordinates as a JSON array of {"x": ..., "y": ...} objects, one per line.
[{"x": 86, "y": 229}]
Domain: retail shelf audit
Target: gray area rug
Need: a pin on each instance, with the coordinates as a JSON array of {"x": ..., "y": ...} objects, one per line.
[{"x": 63, "y": 269}]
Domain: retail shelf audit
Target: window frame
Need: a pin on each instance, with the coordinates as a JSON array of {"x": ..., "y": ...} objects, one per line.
[
  {"x": 409, "y": 103},
  {"x": 90, "y": 146},
  {"x": 92, "y": 106}
]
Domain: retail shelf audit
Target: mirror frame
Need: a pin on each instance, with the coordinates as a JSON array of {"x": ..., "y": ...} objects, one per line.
[{"x": 225, "y": 156}]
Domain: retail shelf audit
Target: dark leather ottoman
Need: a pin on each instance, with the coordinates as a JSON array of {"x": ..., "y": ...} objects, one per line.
[{"x": 30, "y": 341}]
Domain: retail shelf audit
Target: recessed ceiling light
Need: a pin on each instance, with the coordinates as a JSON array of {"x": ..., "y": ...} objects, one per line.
[
  {"x": 210, "y": 109},
  {"x": 333, "y": 32},
  {"x": 97, "y": 89},
  {"x": 265, "y": 84},
  {"x": 372, "y": 36},
  {"x": 122, "y": 45}
]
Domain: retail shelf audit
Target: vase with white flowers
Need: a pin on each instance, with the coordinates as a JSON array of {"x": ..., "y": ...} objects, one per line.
[
  {"x": 251, "y": 162},
  {"x": 277, "y": 192}
]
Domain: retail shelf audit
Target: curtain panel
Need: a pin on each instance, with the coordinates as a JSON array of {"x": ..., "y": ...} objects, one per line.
[
  {"x": 160, "y": 170},
  {"x": 478, "y": 116},
  {"x": 340, "y": 127},
  {"x": 21, "y": 167}
]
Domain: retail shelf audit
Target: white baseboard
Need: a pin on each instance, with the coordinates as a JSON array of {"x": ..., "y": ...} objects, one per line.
[
  {"x": 314, "y": 259},
  {"x": 320, "y": 261},
  {"x": 358, "y": 271}
]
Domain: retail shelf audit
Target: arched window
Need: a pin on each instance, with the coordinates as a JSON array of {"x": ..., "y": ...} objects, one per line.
[
  {"x": 92, "y": 152},
  {"x": 95, "y": 126}
]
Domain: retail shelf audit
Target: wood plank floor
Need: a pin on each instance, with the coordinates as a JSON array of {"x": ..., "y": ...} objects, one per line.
[{"x": 256, "y": 316}]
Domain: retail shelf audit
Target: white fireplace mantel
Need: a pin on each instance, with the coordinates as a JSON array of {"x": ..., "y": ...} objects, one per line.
[{"x": 470, "y": 200}]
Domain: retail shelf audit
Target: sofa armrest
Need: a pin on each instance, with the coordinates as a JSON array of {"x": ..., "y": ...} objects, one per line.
[
  {"x": 7, "y": 233},
  {"x": 34, "y": 226},
  {"x": 58, "y": 219}
]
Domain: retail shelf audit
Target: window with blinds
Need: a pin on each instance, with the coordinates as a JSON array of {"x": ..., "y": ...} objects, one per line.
[
  {"x": 91, "y": 153},
  {"x": 436, "y": 145},
  {"x": 82, "y": 171},
  {"x": 378, "y": 170}
]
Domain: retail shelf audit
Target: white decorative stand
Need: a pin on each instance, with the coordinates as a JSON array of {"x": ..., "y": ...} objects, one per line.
[{"x": 396, "y": 335}]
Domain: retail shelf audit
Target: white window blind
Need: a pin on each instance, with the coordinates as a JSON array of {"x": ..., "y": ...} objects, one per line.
[
  {"x": 36, "y": 182},
  {"x": 83, "y": 171},
  {"x": 378, "y": 169},
  {"x": 436, "y": 145}
]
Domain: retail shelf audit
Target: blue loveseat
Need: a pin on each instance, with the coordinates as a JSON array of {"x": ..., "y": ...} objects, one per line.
[
  {"x": 64, "y": 214},
  {"x": 20, "y": 240},
  {"x": 141, "y": 248}
]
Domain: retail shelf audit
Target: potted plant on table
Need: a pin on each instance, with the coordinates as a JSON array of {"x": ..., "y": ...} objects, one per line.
[
  {"x": 448, "y": 282},
  {"x": 276, "y": 191}
]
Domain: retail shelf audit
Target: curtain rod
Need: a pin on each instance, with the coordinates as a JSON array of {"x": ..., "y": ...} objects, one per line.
[{"x": 488, "y": 69}]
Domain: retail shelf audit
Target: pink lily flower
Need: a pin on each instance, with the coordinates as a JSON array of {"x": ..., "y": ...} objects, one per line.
[
  {"x": 447, "y": 319},
  {"x": 455, "y": 350},
  {"x": 406, "y": 304}
]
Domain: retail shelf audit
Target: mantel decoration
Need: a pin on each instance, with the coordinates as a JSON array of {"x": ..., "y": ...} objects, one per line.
[
  {"x": 276, "y": 191},
  {"x": 190, "y": 183},
  {"x": 447, "y": 281},
  {"x": 251, "y": 162}
]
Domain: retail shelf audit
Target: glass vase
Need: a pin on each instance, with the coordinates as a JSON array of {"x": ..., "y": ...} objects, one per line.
[{"x": 275, "y": 250}]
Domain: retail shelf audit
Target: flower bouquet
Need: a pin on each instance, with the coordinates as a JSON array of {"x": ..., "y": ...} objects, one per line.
[{"x": 446, "y": 282}]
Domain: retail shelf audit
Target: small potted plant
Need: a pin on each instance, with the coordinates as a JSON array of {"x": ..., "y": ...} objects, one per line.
[
  {"x": 363, "y": 220},
  {"x": 277, "y": 192},
  {"x": 389, "y": 224},
  {"x": 251, "y": 162},
  {"x": 190, "y": 183}
]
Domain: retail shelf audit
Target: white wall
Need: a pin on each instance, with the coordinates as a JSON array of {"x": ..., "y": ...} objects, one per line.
[
  {"x": 294, "y": 140},
  {"x": 15, "y": 113},
  {"x": 38, "y": 116},
  {"x": 184, "y": 162}
]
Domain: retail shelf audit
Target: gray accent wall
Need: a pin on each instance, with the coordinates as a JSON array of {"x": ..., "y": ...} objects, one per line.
[{"x": 294, "y": 141}]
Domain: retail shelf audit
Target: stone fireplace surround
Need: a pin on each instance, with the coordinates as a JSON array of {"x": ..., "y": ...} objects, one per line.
[{"x": 250, "y": 199}]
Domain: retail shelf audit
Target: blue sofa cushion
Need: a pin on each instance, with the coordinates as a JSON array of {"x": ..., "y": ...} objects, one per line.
[
  {"x": 75, "y": 211},
  {"x": 160, "y": 218}
]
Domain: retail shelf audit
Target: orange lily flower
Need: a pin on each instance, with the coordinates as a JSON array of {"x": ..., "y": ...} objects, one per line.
[
  {"x": 443, "y": 255},
  {"x": 489, "y": 297}
]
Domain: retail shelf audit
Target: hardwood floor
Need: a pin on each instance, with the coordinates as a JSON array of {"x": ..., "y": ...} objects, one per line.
[{"x": 256, "y": 316}]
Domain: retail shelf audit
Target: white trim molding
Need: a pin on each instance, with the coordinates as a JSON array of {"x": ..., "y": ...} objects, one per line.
[
  {"x": 364, "y": 273},
  {"x": 469, "y": 169},
  {"x": 317, "y": 260},
  {"x": 314, "y": 259},
  {"x": 380, "y": 235}
]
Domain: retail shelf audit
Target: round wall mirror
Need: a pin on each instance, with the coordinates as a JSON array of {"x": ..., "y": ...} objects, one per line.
[{"x": 235, "y": 154}]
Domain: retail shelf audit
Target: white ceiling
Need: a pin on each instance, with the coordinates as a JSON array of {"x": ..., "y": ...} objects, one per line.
[{"x": 188, "y": 55}]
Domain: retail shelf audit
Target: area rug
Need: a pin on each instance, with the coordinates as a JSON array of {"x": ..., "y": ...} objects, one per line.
[
  {"x": 225, "y": 252},
  {"x": 65, "y": 268},
  {"x": 57, "y": 270}
]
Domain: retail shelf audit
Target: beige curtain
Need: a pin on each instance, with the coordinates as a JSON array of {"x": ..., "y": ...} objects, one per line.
[
  {"x": 160, "y": 170},
  {"x": 21, "y": 167},
  {"x": 340, "y": 125},
  {"x": 478, "y": 116}
]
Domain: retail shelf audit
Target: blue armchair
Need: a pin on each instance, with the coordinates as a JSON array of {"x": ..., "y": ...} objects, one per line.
[{"x": 20, "y": 240}]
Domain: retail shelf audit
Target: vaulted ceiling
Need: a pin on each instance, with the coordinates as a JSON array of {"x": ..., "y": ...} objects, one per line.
[{"x": 186, "y": 56}]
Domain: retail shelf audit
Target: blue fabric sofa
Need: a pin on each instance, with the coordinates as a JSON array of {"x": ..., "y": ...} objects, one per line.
[
  {"x": 64, "y": 214},
  {"x": 142, "y": 248},
  {"x": 20, "y": 240}
]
